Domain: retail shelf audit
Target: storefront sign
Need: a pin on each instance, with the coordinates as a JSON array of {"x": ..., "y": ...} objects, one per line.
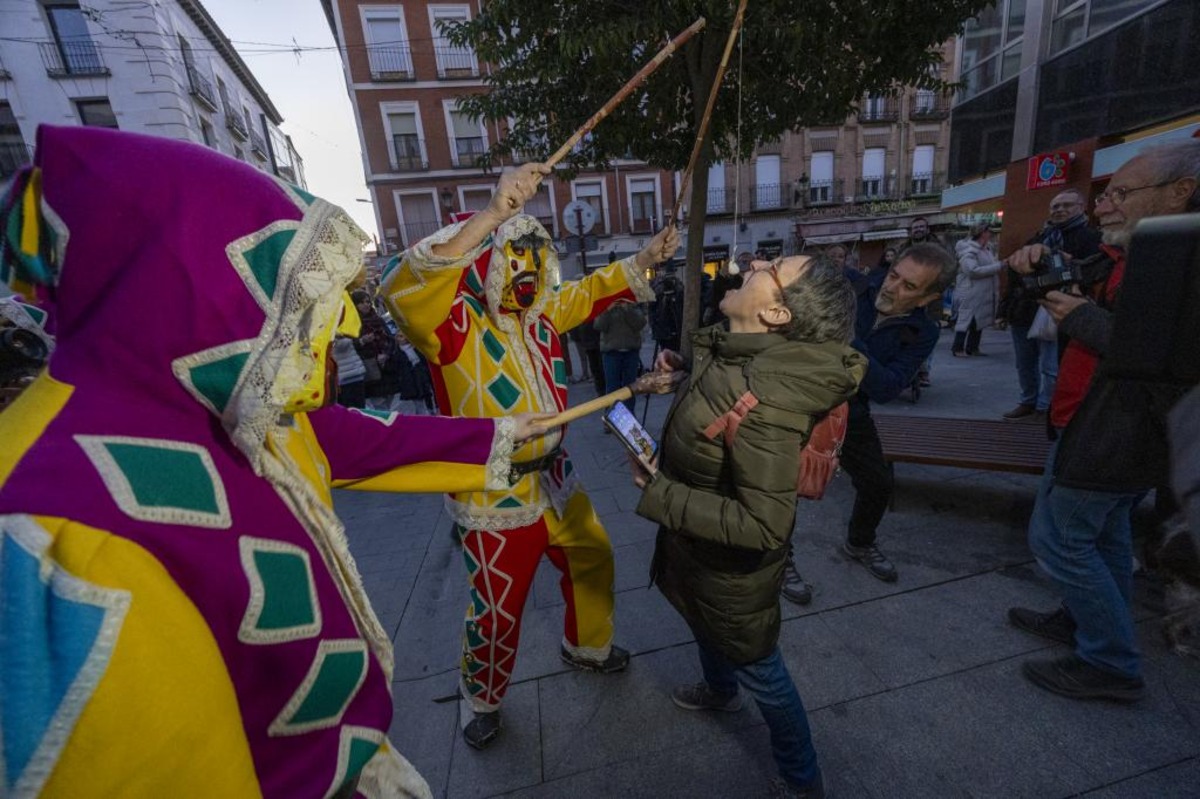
[
  {"x": 770, "y": 248},
  {"x": 716, "y": 252},
  {"x": 1047, "y": 169},
  {"x": 859, "y": 209}
]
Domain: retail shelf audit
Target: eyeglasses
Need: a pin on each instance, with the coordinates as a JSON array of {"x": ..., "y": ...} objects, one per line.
[
  {"x": 772, "y": 269},
  {"x": 1117, "y": 195}
]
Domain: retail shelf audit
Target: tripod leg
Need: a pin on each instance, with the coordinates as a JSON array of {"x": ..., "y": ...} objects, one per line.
[{"x": 646, "y": 397}]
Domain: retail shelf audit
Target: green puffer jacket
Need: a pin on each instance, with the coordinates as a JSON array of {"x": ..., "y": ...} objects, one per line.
[{"x": 726, "y": 511}]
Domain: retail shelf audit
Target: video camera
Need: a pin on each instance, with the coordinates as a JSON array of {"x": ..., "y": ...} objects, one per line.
[
  {"x": 1055, "y": 273},
  {"x": 22, "y": 356}
]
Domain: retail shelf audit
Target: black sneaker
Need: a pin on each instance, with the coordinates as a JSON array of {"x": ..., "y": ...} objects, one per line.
[
  {"x": 617, "y": 660},
  {"x": 1056, "y": 626},
  {"x": 780, "y": 788},
  {"x": 795, "y": 589},
  {"x": 1072, "y": 677},
  {"x": 873, "y": 559},
  {"x": 482, "y": 730},
  {"x": 699, "y": 696}
]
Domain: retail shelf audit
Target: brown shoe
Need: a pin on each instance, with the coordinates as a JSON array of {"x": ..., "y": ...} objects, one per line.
[{"x": 1020, "y": 412}]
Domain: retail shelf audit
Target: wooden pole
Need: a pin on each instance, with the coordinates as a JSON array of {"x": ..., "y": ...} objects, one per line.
[
  {"x": 627, "y": 89},
  {"x": 708, "y": 109},
  {"x": 648, "y": 383}
]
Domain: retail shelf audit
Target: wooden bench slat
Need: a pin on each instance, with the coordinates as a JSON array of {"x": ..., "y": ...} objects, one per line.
[{"x": 966, "y": 443}]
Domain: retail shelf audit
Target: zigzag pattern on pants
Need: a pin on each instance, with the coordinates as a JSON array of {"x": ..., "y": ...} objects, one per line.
[{"x": 488, "y": 656}]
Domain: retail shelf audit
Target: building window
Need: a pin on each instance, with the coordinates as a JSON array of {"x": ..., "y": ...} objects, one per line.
[
  {"x": 467, "y": 142},
  {"x": 873, "y": 164},
  {"x": 238, "y": 154},
  {"x": 418, "y": 216},
  {"x": 96, "y": 113},
  {"x": 541, "y": 207},
  {"x": 453, "y": 61},
  {"x": 717, "y": 197},
  {"x": 1076, "y": 20},
  {"x": 922, "y": 182},
  {"x": 406, "y": 149},
  {"x": 768, "y": 188},
  {"x": 73, "y": 52},
  {"x": 13, "y": 152},
  {"x": 820, "y": 178},
  {"x": 388, "y": 51},
  {"x": 475, "y": 198},
  {"x": 643, "y": 205},
  {"x": 206, "y": 133},
  {"x": 592, "y": 193},
  {"x": 990, "y": 50}
]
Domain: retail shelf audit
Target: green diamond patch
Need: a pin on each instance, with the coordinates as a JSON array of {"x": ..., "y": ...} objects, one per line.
[
  {"x": 283, "y": 597},
  {"x": 333, "y": 679},
  {"x": 493, "y": 346},
  {"x": 504, "y": 391}
]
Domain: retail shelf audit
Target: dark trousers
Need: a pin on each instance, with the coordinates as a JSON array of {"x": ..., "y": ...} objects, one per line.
[
  {"x": 596, "y": 365},
  {"x": 862, "y": 459},
  {"x": 968, "y": 338},
  {"x": 352, "y": 395}
]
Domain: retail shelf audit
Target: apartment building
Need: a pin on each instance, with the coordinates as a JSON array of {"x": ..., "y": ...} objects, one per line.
[
  {"x": 1082, "y": 83},
  {"x": 859, "y": 178},
  {"x": 162, "y": 68}
]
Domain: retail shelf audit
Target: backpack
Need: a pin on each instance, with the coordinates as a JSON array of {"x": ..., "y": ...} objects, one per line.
[{"x": 818, "y": 456}]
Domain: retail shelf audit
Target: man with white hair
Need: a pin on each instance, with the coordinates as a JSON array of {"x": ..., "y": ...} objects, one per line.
[{"x": 1110, "y": 451}]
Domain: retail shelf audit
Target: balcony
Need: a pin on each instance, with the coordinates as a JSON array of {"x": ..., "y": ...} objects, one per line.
[
  {"x": 721, "y": 201},
  {"x": 415, "y": 231},
  {"x": 72, "y": 59},
  {"x": 236, "y": 123},
  {"x": 928, "y": 106},
  {"x": 873, "y": 188},
  {"x": 876, "y": 111},
  {"x": 407, "y": 154},
  {"x": 201, "y": 88},
  {"x": 13, "y": 156},
  {"x": 258, "y": 144},
  {"x": 925, "y": 184},
  {"x": 468, "y": 151},
  {"x": 390, "y": 63},
  {"x": 823, "y": 192},
  {"x": 455, "y": 63},
  {"x": 767, "y": 197},
  {"x": 641, "y": 224}
]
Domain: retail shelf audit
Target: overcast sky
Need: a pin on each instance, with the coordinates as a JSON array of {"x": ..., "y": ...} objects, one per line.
[{"x": 309, "y": 90}]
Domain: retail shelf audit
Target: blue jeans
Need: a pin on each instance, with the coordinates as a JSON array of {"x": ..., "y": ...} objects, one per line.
[
  {"x": 1084, "y": 541},
  {"x": 621, "y": 369},
  {"x": 768, "y": 681},
  {"x": 1037, "y": 367}
]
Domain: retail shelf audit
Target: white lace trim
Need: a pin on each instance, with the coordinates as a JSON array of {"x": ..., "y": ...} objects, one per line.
[
  {"x": 388, "y": 775},
  {"x": 16, "y": 313},
  {"x": 637, "y": 279},
  {"x": 499, "y": 463},
  {"x": 474, "y": 517}
]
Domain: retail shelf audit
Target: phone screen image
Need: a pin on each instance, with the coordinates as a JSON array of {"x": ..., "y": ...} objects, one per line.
[{"x": 622, "y": 421}]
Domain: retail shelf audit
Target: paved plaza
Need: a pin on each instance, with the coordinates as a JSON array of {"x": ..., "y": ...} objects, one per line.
[{"x": 913, "y": 688}]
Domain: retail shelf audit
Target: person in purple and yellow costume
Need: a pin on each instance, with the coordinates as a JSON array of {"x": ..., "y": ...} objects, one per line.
[
  {"x": 482, "y": 301},
  {"x": 179, "y": 612}
]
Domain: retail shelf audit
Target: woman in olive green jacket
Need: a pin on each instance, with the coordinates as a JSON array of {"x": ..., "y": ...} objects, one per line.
[{"x": 725, "y": 490}]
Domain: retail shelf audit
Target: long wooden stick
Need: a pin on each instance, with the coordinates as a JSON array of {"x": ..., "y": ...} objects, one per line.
[
  {"x": 708, "y": 109},
  {"x": 591, "y": 406},
  {"x": 627, "y": 89}
]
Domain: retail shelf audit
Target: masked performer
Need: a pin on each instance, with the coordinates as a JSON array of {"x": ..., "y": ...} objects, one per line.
[
  {"x": 481, "y": 299},
  {"x": 179, "y": 612}
]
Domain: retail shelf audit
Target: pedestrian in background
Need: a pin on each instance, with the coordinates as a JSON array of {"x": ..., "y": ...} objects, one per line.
[
  {"x": 975, "y": 289},
  {"x": 620, "y": 328}
]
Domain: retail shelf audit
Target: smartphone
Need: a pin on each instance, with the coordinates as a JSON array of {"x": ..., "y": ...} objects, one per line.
[{"x": 621, "y": 421}]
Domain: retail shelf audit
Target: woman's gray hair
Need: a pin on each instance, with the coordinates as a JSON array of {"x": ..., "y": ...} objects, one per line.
[
  {"x": 1175, "y": 161},
  {"x": 821, "y": 301}
]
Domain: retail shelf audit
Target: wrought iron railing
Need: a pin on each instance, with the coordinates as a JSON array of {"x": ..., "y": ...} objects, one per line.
[
  {"x": 201, "y": 88},
  {"x": 415, "y": 231},
  {"x": 926, "y": 184},
  {"x": 390, "y": 63},
  {"x": 236, "y": 122},
  {"x": 766, "y": 197},
  {"x": 929, "y": 105},
  {"x": 824, "y": 192},
  {"x": 879, "y": 111},
  {"x": 468, "y": 150},
  {"x": 72, "y": 58},
  {"x": 876, "y": 187},
  {"x": 408, "y": 153},
  {"x": 456, "y": 62},
  {"x": 721, "y": 201},
  {"x": 13, "y": 156},
  {"x": 258, "y": 143}
]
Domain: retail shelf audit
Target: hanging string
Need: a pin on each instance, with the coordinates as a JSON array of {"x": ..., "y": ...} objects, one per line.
[{"x": 733, "y": 267}]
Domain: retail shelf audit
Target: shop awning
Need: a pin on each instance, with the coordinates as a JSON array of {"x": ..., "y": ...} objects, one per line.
[
  {"x": 834, "y": 238},
  {"x": 877, "y": 235}
]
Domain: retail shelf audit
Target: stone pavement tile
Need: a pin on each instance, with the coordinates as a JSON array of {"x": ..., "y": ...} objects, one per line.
[
  {"x": 513, "y": 761},
  {"x": 1176, "y": 781},
  {"x": 937, "y": 630},
  {"x": 626, "y": 527},
  {"x": 736, "y": 765},
  {"x": 429, "y": 635},
  {"x": 591, "y": 721},
  {"x": 425, "y": 726},
  {"x": 823, "y": 667}
]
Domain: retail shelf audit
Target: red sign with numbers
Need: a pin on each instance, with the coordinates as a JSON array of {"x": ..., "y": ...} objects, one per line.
[{"x": 1047, "y": 169}]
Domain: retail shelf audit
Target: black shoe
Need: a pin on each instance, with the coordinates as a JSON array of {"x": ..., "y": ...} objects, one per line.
[
  {"x": 873, "y": 559},
  {"x": 780, "y": 788},
  {"x": 1020, "y": 412},
  {"x": 698, "y": 696},
  {"x": 1072, "y": 677},
  {"x": 794, "y": 588},
  {"x": 617, "y": 660},
  {"x": 483, "y": 729},
  {"x": 1056, "y": 626}
]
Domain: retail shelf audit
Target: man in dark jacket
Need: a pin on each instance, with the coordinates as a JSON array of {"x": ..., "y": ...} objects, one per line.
[
  {"x": 725, "y": 495},
  {"x": 620, "y": 328},
  {"x": 895, "y": 332},
  {"x": 1112, "y": 450},
  {"x": 1065, "y": 231}
]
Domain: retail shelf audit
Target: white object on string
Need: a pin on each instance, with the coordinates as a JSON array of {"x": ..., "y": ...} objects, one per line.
[{"x": 733, "y": 268}]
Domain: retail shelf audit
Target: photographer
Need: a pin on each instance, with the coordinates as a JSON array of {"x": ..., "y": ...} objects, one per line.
[
  {"x": 666, "y": 312},
  {"x": 1110, "y": 452}
]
